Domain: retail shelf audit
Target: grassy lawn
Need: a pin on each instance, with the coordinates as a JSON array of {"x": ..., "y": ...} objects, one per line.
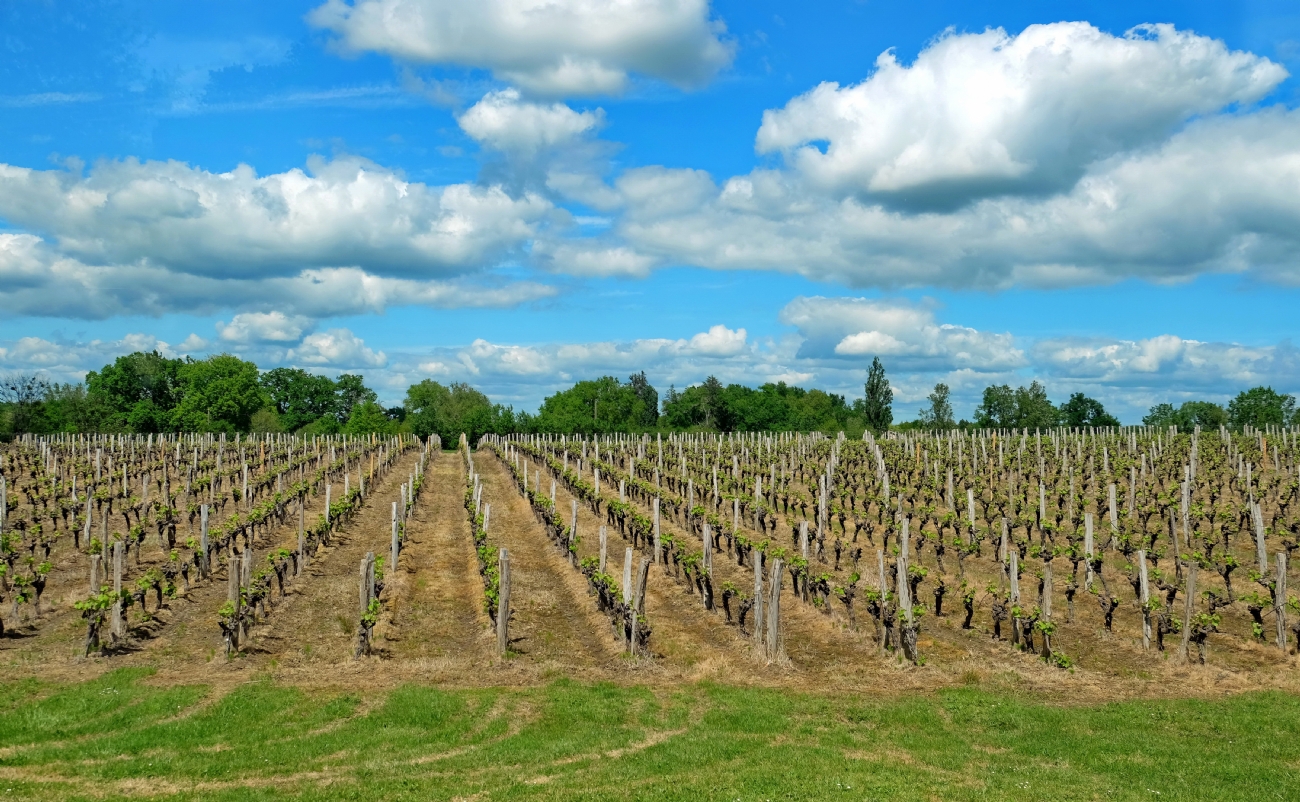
[{"x": 117, "y": 736}]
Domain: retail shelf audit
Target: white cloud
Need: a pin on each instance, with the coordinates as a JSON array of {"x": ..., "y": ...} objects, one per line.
[
  {"x": 592, "y": 258},
  {"x": 336, "y": 348},
  {"x": 555, "y": 47},
  {"x": 503, "y": 121},
  {"x": 346, "y": 212},
  {"x": 1144, "y": 214},
  {"x": 36, "y": 280},
  {"x": 69, "y": 361},
  {"x": 718, "y": 341},
  {"x": 263, "y": 327},
  {"x": 984, "y": 114},
  {"x": 1168, "y": 361},
  {"x": 905, "y": 335}
]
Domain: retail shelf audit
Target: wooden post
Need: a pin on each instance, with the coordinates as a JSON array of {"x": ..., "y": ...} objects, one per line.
[
  {"x": 302, "y": 535},
  {"x": 365, "y": 586},
  {"x": 658, "y": 555},
  {"x": 117, "y": 624},
  {"x": 1087, "y": 550},
  {"x": 803, "y": 539},
  {"x": 638, "y": 599},
  {"x": 627, "y": 575},
  {"x": 503, "y": 602},
  {"x": 774, "y": 644},
  {"x": 395, "y": 542},
  {"x": 1188, "y": 604},
  {"x": 205, "y": 570},
  {"x": 604, "y": 547},
  {"x": 1144, "y": 590},
  {"x": 759, "y": 630},
  {"x": 1279, "y": 601},
  {"x": 95, "y": 561}
]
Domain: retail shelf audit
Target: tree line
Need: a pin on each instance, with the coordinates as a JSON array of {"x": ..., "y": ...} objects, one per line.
[{"x": 147, "y": 392}]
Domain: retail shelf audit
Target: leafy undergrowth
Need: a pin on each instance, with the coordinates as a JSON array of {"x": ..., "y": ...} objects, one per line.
[{"x": 118, "y": 736}]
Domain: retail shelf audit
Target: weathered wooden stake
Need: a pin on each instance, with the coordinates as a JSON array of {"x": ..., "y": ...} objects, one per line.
[{"x": 503, "y": 602}]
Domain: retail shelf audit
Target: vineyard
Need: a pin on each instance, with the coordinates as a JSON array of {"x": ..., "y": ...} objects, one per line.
[
  {"x": 1079, "y": 565},
  {"x": 1099, "y": 551}
]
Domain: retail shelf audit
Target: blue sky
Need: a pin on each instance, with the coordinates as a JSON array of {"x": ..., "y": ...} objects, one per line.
[{"x": 520, "y": 194}]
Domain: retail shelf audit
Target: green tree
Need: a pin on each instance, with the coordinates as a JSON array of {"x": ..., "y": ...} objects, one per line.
[
  {"x": 997, "y": 409},
  {"x": 1261, "y": 406},
  {"x": 299, "y": 397},
  {"x": 432, "y": 408},
  {"x": 649, "y": 398},
  {"x": 1081, "y": 412},
  {"x": 590, "y": 407},
  {"x": 23, "y": 395},
  {"x": 938, "y": 414},
  {"x": 350, "y": 390},
  {"x": 140, "y": 391},
  {"x": 220, "y": 394},
  {"x": 369, "y": 417},
  {"x": 1033, "y": 409},
  {"x": 1206, "y": 414},
  {"x": 878, "y": 405}
]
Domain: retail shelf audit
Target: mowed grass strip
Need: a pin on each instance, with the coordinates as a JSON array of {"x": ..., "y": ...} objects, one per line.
[{"x": 118, "y": 736}]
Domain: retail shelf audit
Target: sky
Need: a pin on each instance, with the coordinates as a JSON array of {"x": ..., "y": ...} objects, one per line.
[{"x": 520, "y": 194}]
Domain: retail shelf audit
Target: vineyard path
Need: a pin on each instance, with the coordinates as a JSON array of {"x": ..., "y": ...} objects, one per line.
[{"x": 555, "y": 621}]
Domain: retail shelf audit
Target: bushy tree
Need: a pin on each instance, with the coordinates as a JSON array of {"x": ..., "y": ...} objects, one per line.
[
  {"x": 369, "y": 417},
  {"x": 599, "y": 406},
  {"x": 448, "y": 411},
  {"x": 300, "y": 398},
  {"x": 139, "y": 391},
  {"x": 1206, "y": 414},
  {"x": 219, "y": 394},
  {"x": 1021, "y": 408},
  {"x": 1260, "y": 407},
  {"x": 1081, "y": 412}
]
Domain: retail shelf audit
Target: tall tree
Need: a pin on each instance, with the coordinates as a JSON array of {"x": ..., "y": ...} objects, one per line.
[
  {"x": 300, "y": 398},
  {"x": 878, "y": 403},
  {"x": 448, "y": 411},
  {"x": 1206, "y": 414},
  {"x": 350, "y": 390},
  {"x": 997, "y": 409},
  {"x": 938, "y": 415},
  {"x": 1033, "y": 408},
  {"x": 139, "y": 390},
  {"x": 23, "y": 394},
  {"x": 1261, "y": 406},
  {"x": 649, "y": 397},
  {"x": 1081, "y": 412},
  {"x": 220, "y": 394}
]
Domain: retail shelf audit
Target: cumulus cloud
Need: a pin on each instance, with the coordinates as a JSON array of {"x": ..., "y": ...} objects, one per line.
[
  {"x": 555, "y": 47},
  {"x": 906, "y": 334},
  {"x": 37, "y": 280},
  {"x": 718, "y": 341},
  {"x": 593, "y": 258},
  {"x": 1143, "y": 214},
  {"x": 335, "y": 348},
  {"x": 502, "y": 120},
  {"x": 988, "y": 113},
  {"x": 70, "y": 360},
  {"x": 345, "y": 212},
  {"x": 1168, "y": 361},
  {"x": 263, "y": 327}
]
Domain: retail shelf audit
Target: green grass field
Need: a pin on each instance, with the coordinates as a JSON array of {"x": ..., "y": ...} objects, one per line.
[{"x": 118, "y": 736}]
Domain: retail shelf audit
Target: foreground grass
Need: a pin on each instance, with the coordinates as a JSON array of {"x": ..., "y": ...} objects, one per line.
[{"x": 117, "y": 736}]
